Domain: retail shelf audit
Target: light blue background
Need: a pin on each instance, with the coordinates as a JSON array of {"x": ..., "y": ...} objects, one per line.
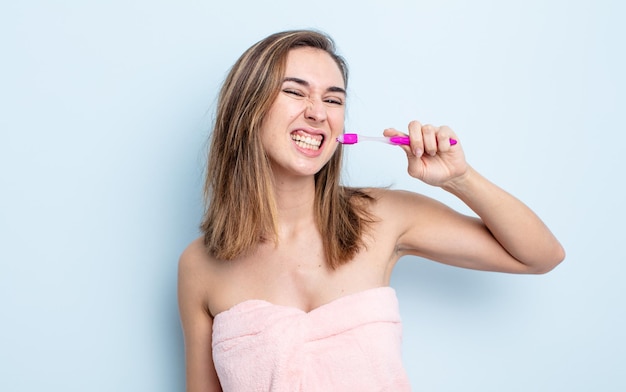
[{"x": 104, "y": 113}]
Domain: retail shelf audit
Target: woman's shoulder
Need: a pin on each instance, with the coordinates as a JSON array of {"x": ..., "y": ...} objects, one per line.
[
  {"x": 391, "y": 197},
  {"x": 398, "y": 205},
  {"x": 194, "y": 252},
  {"x": 195, "y": 263}
]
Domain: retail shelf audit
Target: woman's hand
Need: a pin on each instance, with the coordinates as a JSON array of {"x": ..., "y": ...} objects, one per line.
[{"x": 430, "y": 156}]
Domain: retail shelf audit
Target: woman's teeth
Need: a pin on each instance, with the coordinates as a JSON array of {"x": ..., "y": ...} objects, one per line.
[{"x": 307, "y": 142}]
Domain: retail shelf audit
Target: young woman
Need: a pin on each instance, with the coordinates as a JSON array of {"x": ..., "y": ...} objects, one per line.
[{"x": 288, "y": 288}]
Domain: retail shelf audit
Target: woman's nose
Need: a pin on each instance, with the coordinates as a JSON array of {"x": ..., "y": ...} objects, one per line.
[{"x": 315, "y": 110}]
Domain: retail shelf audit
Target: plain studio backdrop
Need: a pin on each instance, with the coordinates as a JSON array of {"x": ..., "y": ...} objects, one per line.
[{"x": 105, "y": 109}]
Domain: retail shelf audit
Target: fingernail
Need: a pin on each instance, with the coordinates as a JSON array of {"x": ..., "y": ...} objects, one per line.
[{"x": 418, "y": 153}]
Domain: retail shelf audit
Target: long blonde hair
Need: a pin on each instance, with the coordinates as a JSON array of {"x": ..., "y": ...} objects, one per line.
[{"x": 240, "y": 204}]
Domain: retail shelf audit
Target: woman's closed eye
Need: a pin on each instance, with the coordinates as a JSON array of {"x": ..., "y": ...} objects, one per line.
[
  {"x": 334, "y": 101},
  {"x": 293, "y": 92}
]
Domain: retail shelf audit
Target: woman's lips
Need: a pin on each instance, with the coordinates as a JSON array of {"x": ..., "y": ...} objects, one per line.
[{"x": 306, "y": 140}]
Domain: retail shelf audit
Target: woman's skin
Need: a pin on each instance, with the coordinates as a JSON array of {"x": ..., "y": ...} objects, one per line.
[{"x": 508, "y": 236}]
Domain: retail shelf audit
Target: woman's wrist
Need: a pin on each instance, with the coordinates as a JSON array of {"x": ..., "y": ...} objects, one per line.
[{"x": 462, "y": 184}]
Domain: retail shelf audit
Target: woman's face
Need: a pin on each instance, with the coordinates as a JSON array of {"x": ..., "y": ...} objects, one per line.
[{"x": 300, "y": 130}]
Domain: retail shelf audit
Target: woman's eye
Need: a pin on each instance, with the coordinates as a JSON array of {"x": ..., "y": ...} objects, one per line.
[
  {"x": 334, "y": 101},
  {"x": 293, "y": 92}
]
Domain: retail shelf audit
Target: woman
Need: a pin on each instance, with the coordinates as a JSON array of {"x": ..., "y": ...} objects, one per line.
[{"x": 288, "y": 288}]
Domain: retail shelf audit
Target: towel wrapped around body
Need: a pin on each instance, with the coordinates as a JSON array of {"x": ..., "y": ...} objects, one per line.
[{"x": 350, "y": 344}]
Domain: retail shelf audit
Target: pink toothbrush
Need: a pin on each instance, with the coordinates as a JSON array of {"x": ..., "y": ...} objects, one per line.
[{"x": 353, "y": 138}]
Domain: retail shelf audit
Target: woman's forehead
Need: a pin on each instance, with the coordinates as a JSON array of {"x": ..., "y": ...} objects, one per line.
[{"x": 314, "y": 66}]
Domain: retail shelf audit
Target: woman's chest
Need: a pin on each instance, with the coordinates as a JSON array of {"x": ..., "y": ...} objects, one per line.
[{"x": 298, "y": 279}]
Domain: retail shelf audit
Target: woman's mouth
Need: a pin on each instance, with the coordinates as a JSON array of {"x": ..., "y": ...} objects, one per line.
[{"x": 306, "y": 140}]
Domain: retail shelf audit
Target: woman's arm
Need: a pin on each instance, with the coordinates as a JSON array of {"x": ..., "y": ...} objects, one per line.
[
  {"x": 508, "y": 237},
  {"x": 511, "y": 223},
  {"x": 197, "y": 322}
]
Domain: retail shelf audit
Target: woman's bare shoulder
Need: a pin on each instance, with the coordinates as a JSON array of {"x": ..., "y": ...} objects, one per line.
[
  {"x": 195, "y": 255},
  {"x": 195, "y": 267},
  {"x": 394, "y": 199}
]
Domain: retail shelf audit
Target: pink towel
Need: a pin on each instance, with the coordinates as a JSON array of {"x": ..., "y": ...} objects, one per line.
[{"x": 350, "y": 344}]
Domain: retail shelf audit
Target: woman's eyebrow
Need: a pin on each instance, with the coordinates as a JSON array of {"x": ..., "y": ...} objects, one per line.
[{"x": 302, "y": 82}]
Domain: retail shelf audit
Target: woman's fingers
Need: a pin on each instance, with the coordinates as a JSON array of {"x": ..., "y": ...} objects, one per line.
[
  {"x": 425, "y": 139},
  {"x": 444, "y": 136},
  {"x": 429, "y": 137}
]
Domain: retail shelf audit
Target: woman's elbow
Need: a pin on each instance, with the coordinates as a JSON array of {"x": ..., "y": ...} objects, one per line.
[{"x": 549, "y": 261}]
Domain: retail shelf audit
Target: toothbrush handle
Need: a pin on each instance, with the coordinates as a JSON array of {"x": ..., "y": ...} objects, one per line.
[
  {"x": 404, "y": 140},
  {"x": 400, "y": 140}
]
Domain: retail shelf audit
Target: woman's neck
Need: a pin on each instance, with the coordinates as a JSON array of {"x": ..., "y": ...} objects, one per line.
[{"x": 295, "y": 201}]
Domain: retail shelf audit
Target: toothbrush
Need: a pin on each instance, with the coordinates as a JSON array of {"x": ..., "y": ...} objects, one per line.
[{"x": 353, "y": 138}]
